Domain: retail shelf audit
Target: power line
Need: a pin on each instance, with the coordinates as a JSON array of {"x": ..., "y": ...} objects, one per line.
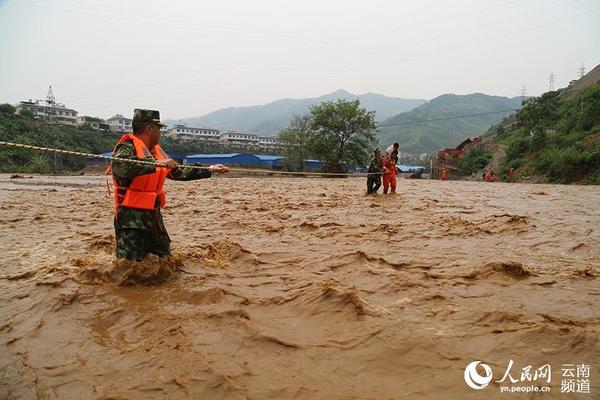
[
  {"x": 448, "y": 118},
  {"x": 74, "y": 7}
]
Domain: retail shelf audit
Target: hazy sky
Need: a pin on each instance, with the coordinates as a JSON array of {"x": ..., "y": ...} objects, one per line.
[{"x": 187, "y": 58}]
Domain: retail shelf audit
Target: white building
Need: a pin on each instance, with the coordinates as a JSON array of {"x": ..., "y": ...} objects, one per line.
[
  {"x": 207, "y": 135},
  {"x": 269, "y": 143},
  {"x": 241, "y": 140},
  {"x": 120, "y": 124},
  {"x": 93, "y": 122},
  {"x": 53, "y": 113}
]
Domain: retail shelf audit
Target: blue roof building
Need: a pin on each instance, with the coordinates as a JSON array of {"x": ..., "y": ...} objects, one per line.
[
  {"x": 228, "y": 159},
  {"x": 94, "y": 160},
  {"x": 275, "y": 162},
  {"x": 244, "y": 159},
  {"x": 410, "y": 168},
  {"x": 313, "y": 165},
  {"x": 178, "y": 157},
  {"x": 317, "y": 165}
]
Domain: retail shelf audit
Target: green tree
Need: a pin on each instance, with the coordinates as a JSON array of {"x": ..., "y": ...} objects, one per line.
[
  {"x": 26, "y": 113},
  {"x": 500, "y": 131},
  {"x": 475, "y": 160},
  {"x": 297, "y": 137},
  {"x": 7, "y": 109},
  {"x": 343, "y": 131},
  {"x": 539, "y": 113}
]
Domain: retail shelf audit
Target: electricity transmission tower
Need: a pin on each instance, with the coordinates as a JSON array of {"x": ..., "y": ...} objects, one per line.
[
  {"x": 551, "y": 82},
  {"x": 581, "y": 71},
  {"x": 523, "y": 91},
  {"x": 50, "y": 99}
]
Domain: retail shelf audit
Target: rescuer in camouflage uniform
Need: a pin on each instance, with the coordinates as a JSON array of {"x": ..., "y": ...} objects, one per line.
[
  {"x": 139, "y": 231},
  {"x": 374, "y": 180}
]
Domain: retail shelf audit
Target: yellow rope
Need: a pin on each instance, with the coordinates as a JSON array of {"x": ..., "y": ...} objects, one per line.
[{"x": 158, "y": 164}]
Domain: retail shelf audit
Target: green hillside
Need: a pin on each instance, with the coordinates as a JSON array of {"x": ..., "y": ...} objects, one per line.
[
  {"x": 430, "y": 136},
  {"x": 555, "y": 136},
  {"x": 22, "y": 129}
]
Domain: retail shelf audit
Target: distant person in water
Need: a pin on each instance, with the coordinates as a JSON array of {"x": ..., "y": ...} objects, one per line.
[
  {"x": 375, "y": 170},
  {"x": 391, "y": 148},
  {"x": 444, "y": 176},
  {"x": 389, "y": 177}
]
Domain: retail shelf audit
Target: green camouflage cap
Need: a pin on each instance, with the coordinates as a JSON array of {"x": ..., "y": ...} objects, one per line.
[{"x": 148, "y": 116}]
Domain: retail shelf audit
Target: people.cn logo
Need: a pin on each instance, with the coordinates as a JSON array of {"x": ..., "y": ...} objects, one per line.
[{"x": 472, "y": 377}]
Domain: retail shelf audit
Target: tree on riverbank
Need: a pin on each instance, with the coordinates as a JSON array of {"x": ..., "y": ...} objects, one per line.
[{"x": 335, "y": 132}]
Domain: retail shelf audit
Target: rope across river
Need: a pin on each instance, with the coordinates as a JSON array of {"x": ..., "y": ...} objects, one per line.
[{"x": 158, "y": 164}]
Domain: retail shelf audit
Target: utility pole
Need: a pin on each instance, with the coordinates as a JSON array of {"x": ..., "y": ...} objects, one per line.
[
  {"x": 551, "y": 82},
  {"x": 581, "y": 74},
  {"x": 581, "y": 71},
  {"x": 523, "y": 91}
]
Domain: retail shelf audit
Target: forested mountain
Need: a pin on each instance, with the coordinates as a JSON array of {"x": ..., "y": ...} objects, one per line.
[
  {"x": 442, "y": 129},
  {"x": 269, "y": 119}
]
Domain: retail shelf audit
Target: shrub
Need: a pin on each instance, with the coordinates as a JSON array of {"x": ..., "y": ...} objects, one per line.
[
  {"x": 475, "y": 160},
  {"x": 7, "y": 109},
  {"x": 518, "y": 147}
]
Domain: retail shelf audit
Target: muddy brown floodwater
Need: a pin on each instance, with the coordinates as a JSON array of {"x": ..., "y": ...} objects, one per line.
[{"x": 299, "y": 289}]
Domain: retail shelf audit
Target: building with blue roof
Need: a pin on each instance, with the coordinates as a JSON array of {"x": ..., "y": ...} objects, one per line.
[
  {"x": 228, "y": 159},
  {"x": 242, "y": 159},
  {"x": 274, "y": 162},
  {"x": 94, "y": 160},
  {"x": 313, "y": 165},
  {"x": 178, "y": 157},
  {"x": 317, "y": 165},
  {"x": 410, "y": 168}
]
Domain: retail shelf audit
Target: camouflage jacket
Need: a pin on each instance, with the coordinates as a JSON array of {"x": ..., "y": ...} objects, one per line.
[
  {"x": 376, "y": 165},
  {"x": 124, "y": 172}
]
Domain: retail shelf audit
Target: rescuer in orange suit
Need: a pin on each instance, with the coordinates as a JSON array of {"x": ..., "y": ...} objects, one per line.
[
  {"x": 391, "y": 172},
  {"x": 489, "y": 176},
  {"x": 445, "y": 174}
]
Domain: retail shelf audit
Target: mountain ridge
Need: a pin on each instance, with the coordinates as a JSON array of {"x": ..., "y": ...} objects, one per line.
[
  {"x": 437, "y": 128},
  {"x": 268, "y": 119}
]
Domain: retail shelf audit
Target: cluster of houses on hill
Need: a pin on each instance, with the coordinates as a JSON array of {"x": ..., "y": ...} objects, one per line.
[{"x": 50, "y": 111}]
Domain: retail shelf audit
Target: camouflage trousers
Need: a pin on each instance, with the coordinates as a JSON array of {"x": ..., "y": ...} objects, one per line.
[
  {"x": 136, "y": 242},
  {"x": 373, "y": 183}
]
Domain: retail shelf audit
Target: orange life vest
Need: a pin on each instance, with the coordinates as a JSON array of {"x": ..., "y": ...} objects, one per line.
[
  {"x": 144, "y": 189},
  {"x": 390, "y": 165},
  {"x": 445, "y": 174}
]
